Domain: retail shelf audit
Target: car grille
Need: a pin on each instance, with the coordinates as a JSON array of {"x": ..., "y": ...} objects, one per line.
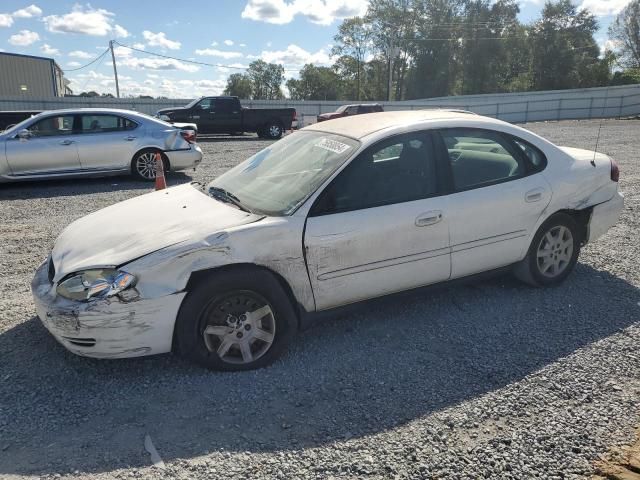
[{"x": 51, "y": 271}]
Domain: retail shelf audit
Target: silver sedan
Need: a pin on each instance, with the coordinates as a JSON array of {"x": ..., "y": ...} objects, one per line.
[{"x": 94, "y": 142}]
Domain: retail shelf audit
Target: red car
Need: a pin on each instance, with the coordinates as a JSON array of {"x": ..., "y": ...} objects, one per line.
[{"x": 348, "y": 110}]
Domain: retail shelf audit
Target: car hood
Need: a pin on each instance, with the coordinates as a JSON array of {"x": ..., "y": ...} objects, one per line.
[
  {"x": 169, "y": 111},
  {"x": 131, "y": 229}
]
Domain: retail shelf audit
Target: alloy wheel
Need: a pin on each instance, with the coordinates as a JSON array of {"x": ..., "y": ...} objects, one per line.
[
  {"x": 146, "y": 165},
  {"x": 239, "y": 327},
  {"x": 555, "y": 251},
  {"x": 275, "y": 131}
]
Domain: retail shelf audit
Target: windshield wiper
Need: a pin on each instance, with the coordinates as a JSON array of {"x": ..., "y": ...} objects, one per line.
[{"x": 227, "y": 197}]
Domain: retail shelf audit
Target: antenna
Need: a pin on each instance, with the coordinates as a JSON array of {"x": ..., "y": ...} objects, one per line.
[{"x": 604, "y": 106}]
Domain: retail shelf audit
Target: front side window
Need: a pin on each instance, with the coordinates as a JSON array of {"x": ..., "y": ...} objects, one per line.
[
  {"x": 276, "y": 180},
  {"x": 480, "y": 157},
  {"x": 204, "y": 104},
  {"x": 401, "y": 169},
  {"x": 52, "y": 126},
  {"x": 105, "y": 123},
  {"x": 351, "y": 110}
]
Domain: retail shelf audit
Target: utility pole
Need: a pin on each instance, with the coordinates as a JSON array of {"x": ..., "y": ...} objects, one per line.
[
  {"x": 115, "y": 70},
  {"x": 390, "y": 55}
]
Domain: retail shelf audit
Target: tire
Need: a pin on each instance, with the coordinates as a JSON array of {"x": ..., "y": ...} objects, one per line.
[
  {"x": 553, "y": 252},
  {"x": 218, "y": 304},
  {"x": 273, "y": 130},
  {"x": 147, "y": 171}
]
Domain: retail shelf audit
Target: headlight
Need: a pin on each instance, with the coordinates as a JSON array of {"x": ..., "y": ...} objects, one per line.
[
  {"x": 164, "y": 117},
  {"x": 99, "y": 283}
]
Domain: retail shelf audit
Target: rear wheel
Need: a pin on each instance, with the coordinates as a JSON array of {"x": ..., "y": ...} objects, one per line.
[
  {"x": 143, "y": 165},
  {"x": 239, "y": 320},
  {"x": 553, "y": 252},
  {"x": 274, "y": 130}
]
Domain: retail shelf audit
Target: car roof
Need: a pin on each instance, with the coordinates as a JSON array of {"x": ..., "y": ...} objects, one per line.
[
  {"x": 63, "y": 111},
  {"x": 369, "y": 123}
]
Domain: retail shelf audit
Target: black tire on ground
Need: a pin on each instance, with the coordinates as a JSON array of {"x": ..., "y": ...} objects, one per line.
[
  {"x": 274, "y": 130},
  {"x": 199, "y": 307},
  {"x": 140, "y": 167},
  {"x": 531, "y": 269}
]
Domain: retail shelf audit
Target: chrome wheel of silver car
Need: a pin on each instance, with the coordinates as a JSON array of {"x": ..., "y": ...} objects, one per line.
[
  {"x": 240, "y": 327},
  {"x": 145, "y": 165},
  {"x": 555, "y": 251}
]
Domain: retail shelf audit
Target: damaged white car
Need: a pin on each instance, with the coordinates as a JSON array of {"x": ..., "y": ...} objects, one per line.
[{"x": 339, "y": 212}]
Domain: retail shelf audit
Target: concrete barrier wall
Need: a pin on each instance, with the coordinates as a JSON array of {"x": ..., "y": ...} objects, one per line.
[{"x": 603, "y": 102}]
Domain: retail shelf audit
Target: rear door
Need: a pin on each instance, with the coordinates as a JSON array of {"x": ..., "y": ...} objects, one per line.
[
  {"x": 227, "y": 115},
  {"x": 380, "y": 226},
  {"x": 107, "y": 141},
  {"x": 498, "y": 195},
  {"x": 52, "y": 148}
]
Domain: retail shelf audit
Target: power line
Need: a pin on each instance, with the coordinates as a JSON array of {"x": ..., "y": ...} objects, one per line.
[
  {"x": 195, "y": 62},
  {"x": 90, "y": 63}
]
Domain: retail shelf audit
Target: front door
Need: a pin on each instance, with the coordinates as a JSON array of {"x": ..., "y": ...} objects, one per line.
[
  {"x": 380, "y": 226},
  {"x": 51, "y": 148},
  {"x": 498, "y": 196}
]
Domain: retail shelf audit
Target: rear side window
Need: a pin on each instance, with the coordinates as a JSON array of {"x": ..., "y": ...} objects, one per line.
[
  {"x": 480, "y": 158},
  {"x": 105, "y": 123},
  {"x": 536, "y": 158},
  {"x": 225, "y": 105}
]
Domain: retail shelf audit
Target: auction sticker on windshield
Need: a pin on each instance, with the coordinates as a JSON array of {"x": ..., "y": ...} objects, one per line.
[{"x": 333, "y": 145}]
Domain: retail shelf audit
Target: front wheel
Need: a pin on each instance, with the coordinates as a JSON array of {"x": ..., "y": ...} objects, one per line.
[
  {"x": 237, "y": 320},
  {"x": 553, "y": 252}
]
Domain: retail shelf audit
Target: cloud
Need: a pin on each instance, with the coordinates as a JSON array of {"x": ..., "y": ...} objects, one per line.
[
  {"x": 84, "y": 20},
  {"x": 157, "y": 64},
  {"x": 322, "y": 12},
  {"x": 242, "y": 45},
  {"x": 212, "y": 52},
  {"x": 49, "y": 50},
  {"x": 73, "y": 64},
  {"x": 120, "y": 32},
  {"x": 141, "y": 46},
  {"x": 24, "y": 38},
  {"x": 603, "y": 8},
  {"x": 80, "y": 54},
  {"x": 294, "y": 55},
  {"x": 228, "y": 43},
  {"x": 160, "y": 40},
  {"x": 28, "y": 12},
  {"x": 6, "y": 20}
]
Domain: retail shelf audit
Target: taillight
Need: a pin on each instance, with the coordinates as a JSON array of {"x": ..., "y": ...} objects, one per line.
[
  {"x": 189, "y": 135},
  {"x": 615, "y": 171}
]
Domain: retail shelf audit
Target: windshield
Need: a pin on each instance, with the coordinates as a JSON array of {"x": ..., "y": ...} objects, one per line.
[
  {"x": 342, "y": 108},
  {"x": 192, "y": 103},
  {"x": 19, "y": 126},
  {"x": 276, "y": 180}
]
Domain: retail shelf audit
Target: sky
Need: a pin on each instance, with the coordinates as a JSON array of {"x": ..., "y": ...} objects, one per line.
[{"x": 227, "y": 33}]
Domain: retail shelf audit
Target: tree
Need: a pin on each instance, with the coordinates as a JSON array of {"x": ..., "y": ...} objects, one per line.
[
  {"x": 239, "y": 85},
  {"x": 625, "y": 32},
  {"x": 353, "y": 40},
  {"x": 315, "y": 83},
  {"x": 563, "y": 48},
  {"x": 266, "y": 80}
]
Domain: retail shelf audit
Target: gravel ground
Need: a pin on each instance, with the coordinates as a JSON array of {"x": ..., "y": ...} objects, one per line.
[{"x": 489, "y": 379}]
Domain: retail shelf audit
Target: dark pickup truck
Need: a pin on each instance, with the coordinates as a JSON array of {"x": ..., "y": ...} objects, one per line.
[{"x": 226, "y": 115}]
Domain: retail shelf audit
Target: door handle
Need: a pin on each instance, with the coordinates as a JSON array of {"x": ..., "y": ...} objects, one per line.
[
  {"x": 428, "y": 218},
  {"x": 66, "y": 142},
  {"x": 534, "y": 195},
  {"x": 130, "y": 138}
]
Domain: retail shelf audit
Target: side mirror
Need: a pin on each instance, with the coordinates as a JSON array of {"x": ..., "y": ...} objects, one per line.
[{"x": 25, "y": 134}]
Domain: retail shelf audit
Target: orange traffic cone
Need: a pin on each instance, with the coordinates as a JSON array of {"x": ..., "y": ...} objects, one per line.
[{"x": 161, "y": 182}]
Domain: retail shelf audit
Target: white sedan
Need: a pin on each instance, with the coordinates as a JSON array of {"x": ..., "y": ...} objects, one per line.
[{"x": 339, "y": 212}]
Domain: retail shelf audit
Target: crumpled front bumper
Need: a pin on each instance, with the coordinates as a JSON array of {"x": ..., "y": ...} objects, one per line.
[{"x": 106, "y": 328}]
